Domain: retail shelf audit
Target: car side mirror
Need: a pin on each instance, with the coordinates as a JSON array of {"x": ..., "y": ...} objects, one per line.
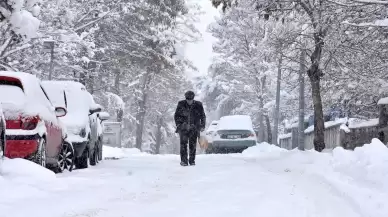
[
  {"x": 103, "y": 116},
  {"x": 95, "y": 108},
  {"x": 92, "y": 111},
  {"x": 60, "y": 111}
]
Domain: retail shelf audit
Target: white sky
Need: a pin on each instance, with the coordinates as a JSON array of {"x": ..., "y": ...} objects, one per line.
[{"x": 200, "y": 53}]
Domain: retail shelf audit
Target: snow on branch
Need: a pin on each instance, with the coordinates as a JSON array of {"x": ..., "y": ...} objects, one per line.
[
  {"x": 371, "y": 2},
  {"x": 377, "y": 23},
  {"x": 115, "y": 101}
]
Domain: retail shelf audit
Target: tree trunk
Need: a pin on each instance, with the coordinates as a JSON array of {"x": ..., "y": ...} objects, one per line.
[
  {"x": 315, "y": 74},
  {"x": 119, "y": 112},
  {"x": 140, "y": 116},
  {"x": 117, "y": 82},
  {"x": 119, "y": 115},
  {"x": 277, "y": 106},
  {"x": 269, "y": 133},
  {"x": 301, "y": 129},
  {"x": 158, "y": 135},
  {"x": 261, "y": 137},
  {"x": 319, "y": 137},
  {"x": 140, "y": 122}
]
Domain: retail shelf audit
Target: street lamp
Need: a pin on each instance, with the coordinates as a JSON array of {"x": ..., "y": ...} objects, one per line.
[{"x": 48, "y": 46}]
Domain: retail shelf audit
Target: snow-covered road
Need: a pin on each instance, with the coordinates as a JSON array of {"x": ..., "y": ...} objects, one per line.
[{"x": 261, "y": 182}]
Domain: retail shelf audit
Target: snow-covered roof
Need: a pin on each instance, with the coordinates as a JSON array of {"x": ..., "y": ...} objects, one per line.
[
  {"x": 328, "y": 124},
  {"x": 357, "y": 123},
  {"x": 235, "y": 122},
  {"x": 284, "y": 136}
]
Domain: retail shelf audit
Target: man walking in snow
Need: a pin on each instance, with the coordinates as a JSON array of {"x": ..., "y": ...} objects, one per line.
[{"x": 190, "y": 120}]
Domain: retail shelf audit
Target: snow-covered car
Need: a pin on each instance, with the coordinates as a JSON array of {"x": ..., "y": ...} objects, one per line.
[
  {"x": 82, "y": 120},
  {"x": 234, "y": 134},
  {"x": 33, "y": 130},
  {"x": 2, "y": 131},
  {"x": 210, "y": 131}
]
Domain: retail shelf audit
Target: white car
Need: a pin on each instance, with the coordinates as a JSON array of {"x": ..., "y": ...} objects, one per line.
[
  {"x": 210, "y": 131},
  {"x": 82, "y": 120},
  {"x": 234, "y": 134}
]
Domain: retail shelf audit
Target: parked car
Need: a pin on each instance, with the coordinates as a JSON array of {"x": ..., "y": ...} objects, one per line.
[
  {"x": 2, "y": 131},
  {"x": 33, "y": 130},
  {"x": 102, "y": 116},
  {"x": 234, "y": 134},
  {"x": 210, "y": 131},
  {"x": 82, "y": 120}
]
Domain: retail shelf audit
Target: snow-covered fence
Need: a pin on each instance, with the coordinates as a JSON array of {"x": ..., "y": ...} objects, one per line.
[
  {"x": 337, "y": 133},
  {"x": 333, "y": 137},
  {"x": 285, "y": 141}
]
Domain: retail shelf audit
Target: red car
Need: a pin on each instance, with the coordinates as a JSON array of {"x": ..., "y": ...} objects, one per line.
[
  {"x": 33, "y": 130},
  {"x": 2, "y": 131}
]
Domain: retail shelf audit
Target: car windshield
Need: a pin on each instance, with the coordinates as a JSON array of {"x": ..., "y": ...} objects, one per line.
[{"x": 77, "y": 101}]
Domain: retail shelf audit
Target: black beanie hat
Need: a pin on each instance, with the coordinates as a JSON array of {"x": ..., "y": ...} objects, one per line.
[{"x": 189, "y": 95}]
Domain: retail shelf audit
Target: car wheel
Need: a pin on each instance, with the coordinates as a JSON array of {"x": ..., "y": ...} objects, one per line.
[
  {"x": 94, "y": 156},
  {"x": 40, "y": 157},
  {"x": 66, "y": 157},
  {"x": 83, "y": 161},
  {"x": 2, "y": 141}
]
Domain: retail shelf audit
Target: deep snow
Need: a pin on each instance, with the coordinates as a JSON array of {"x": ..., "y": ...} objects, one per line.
[{"x": 263, "y": 181}]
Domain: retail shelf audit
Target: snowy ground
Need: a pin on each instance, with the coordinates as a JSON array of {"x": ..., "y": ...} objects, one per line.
[{"x": 263, "y": 181}]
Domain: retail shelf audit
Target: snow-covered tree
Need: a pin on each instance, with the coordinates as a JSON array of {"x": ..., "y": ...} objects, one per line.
[
  {"x": 18, "y": 26},
  {"x": 324, "y": 23}
]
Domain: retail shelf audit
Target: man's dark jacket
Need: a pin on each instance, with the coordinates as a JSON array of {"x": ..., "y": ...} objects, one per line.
[{"x": 194, "y": 112}]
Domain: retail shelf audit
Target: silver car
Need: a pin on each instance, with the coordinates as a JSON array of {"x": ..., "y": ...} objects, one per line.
[{"x": 234, "y": 134}]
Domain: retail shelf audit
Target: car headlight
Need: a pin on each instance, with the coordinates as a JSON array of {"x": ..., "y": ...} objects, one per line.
[{"x": 82, "y": 133}]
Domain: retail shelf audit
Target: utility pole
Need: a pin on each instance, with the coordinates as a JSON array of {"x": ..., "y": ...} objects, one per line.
[
  {"x": 48, "y": 46},
  {"x": 302, "y": 70},
  {"x": 277, "y": 106}
]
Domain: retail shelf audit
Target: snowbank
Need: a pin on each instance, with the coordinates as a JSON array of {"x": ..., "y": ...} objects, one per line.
[
  {"x": 24, "y": 170},
  {"x": 359, "y": 176},
  {"x": 117, "y": 153},
  {"x": 369, "y": 156},
  {"x": 263, "y": 150}
]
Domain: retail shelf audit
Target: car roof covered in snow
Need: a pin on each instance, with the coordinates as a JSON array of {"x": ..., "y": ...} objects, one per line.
[
  {"x": 19, "y": 75},
  {"x": 235, "y": 122},
  {"x": 35, "y": 102},
  {"x": 26, "y": 79},
  {"x": 77, "y": 98}
]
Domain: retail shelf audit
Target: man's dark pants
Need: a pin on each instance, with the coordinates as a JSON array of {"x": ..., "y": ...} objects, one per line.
[{"x": 190, "y": 136}]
